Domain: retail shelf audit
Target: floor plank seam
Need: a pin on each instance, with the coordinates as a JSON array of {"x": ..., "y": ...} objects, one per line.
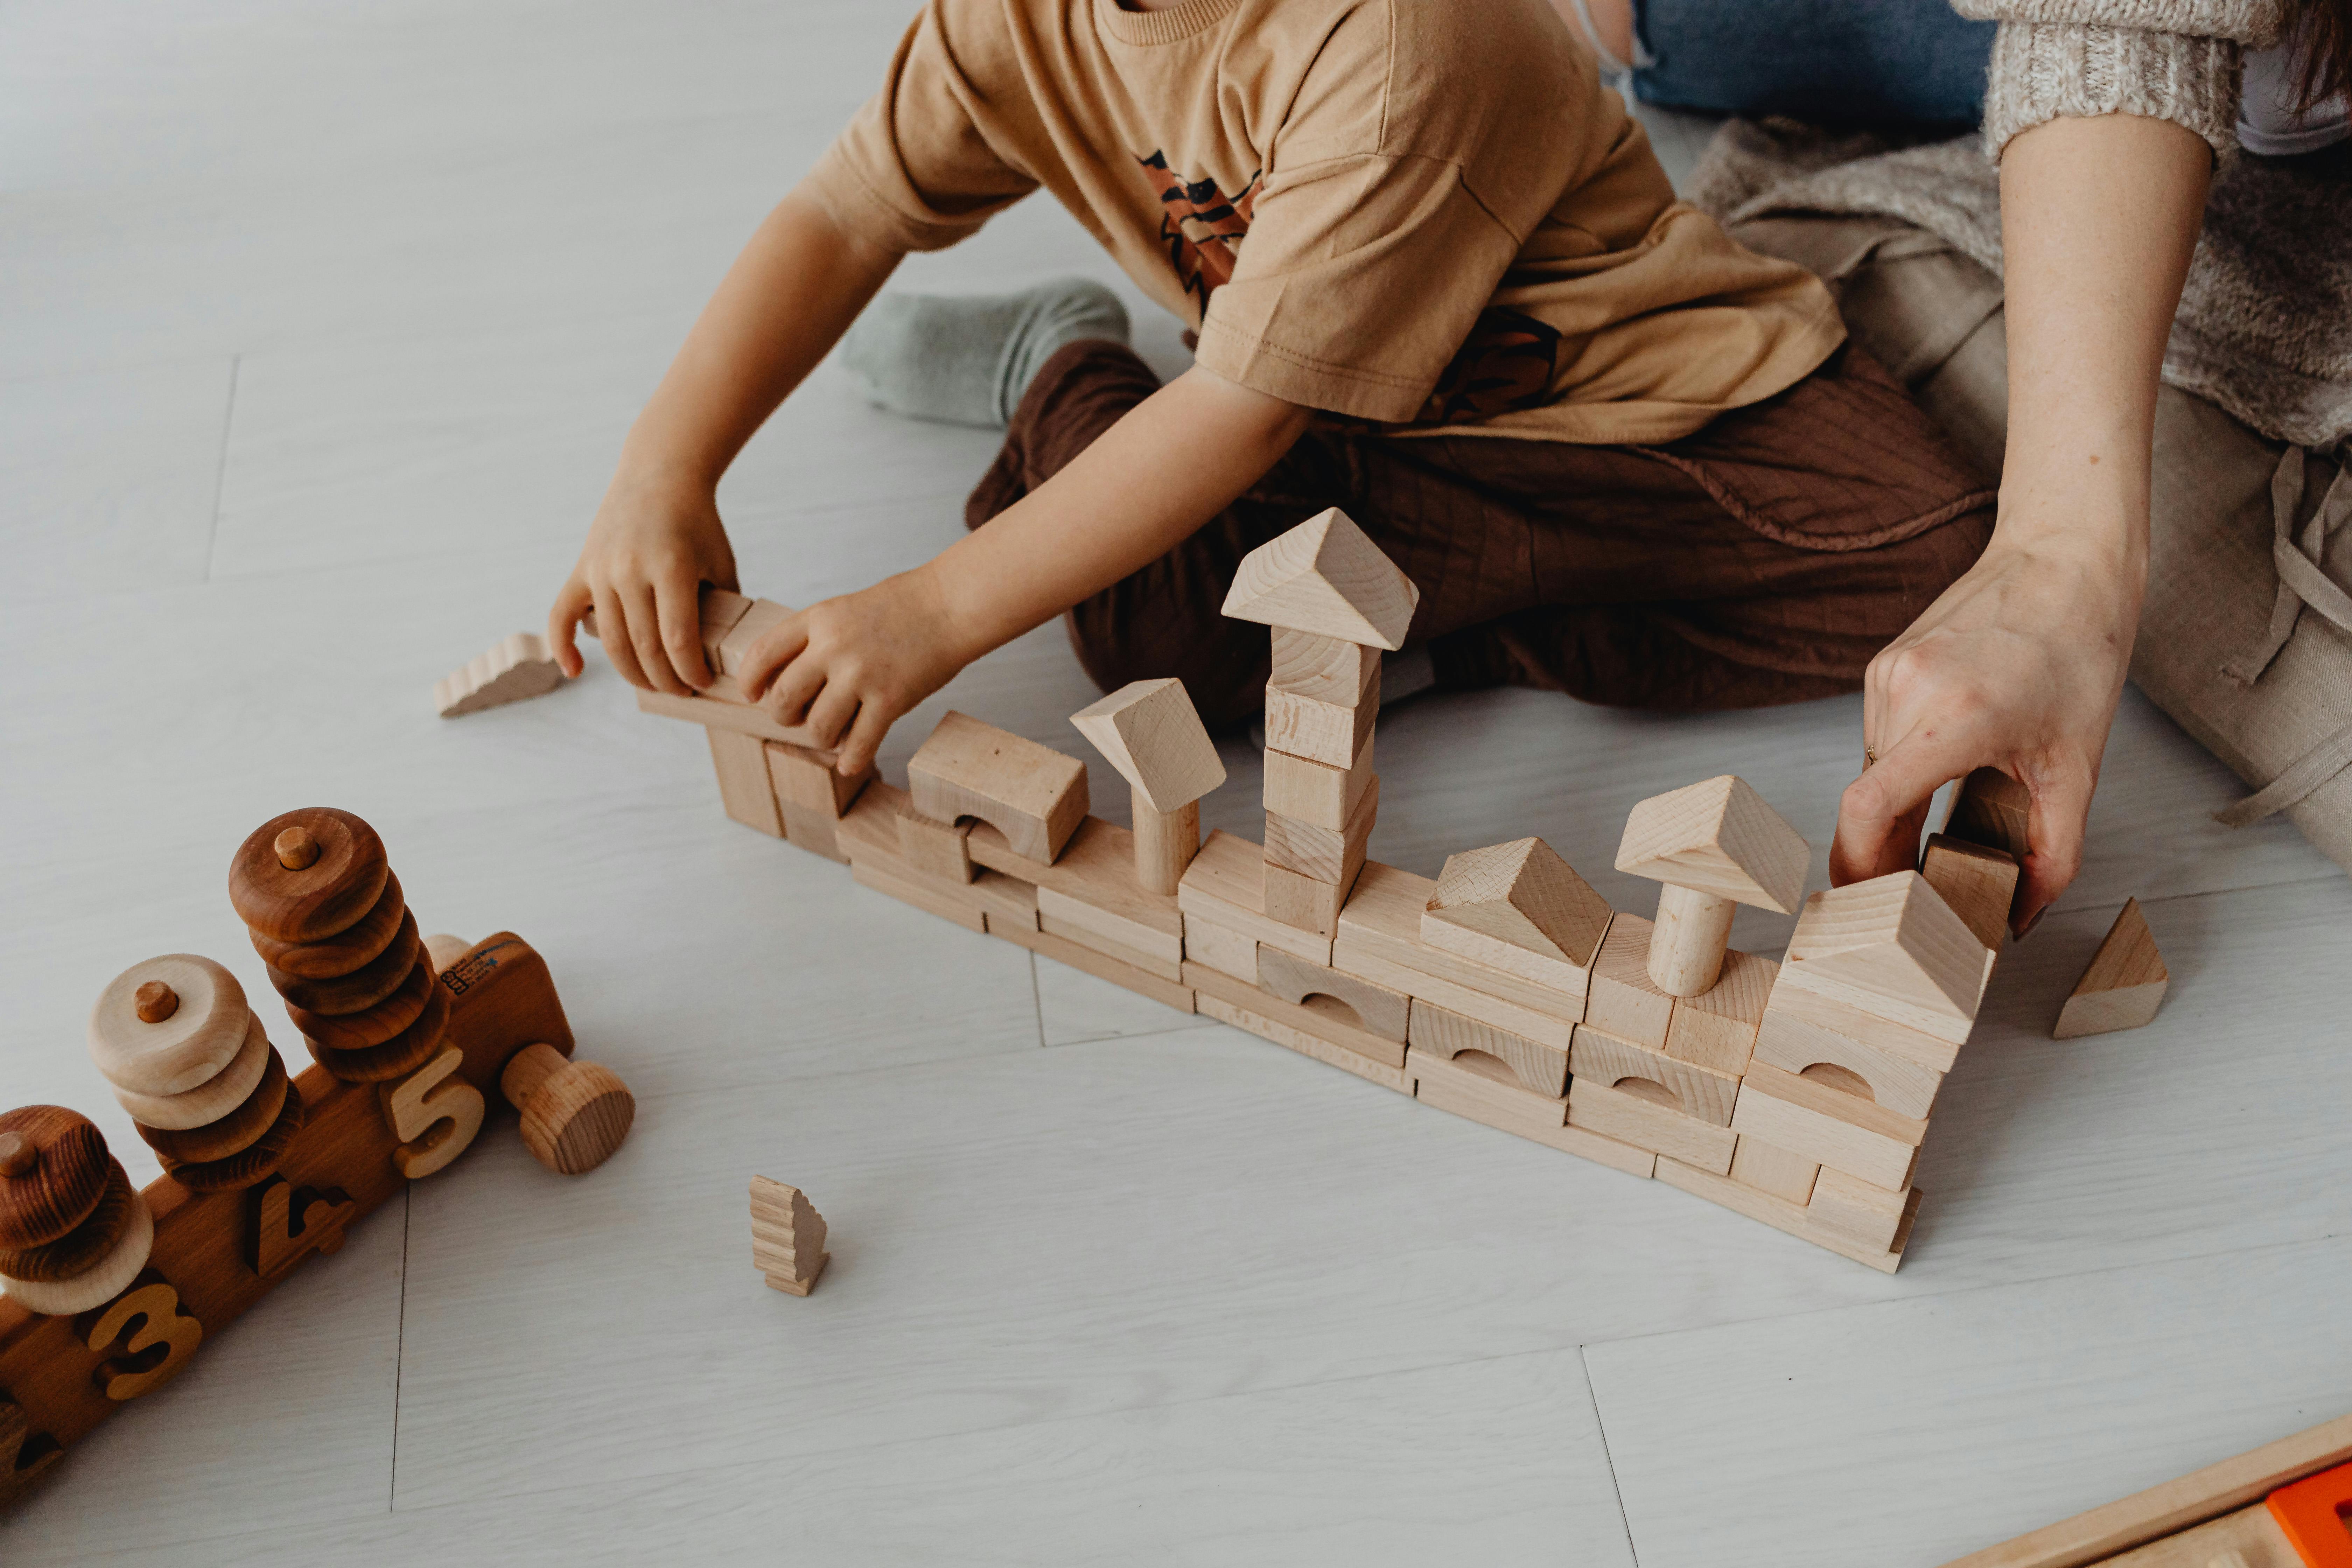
[
  {"x": 220, "y": 469},
  {"x": 399, "y": 1356},
  {"x": 1624, "y": 1520}
]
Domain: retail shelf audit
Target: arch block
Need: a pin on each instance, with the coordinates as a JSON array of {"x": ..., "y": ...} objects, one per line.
[{"x": 1033, "y": 795}]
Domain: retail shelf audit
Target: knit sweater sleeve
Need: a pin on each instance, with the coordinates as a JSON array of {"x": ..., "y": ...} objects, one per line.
[{"x": 2169, "y": 59}]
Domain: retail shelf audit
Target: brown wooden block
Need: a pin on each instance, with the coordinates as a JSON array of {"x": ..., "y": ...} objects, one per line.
[
  {"x": 1318, "y": 1015},
  {"x": 1093, "y": 961},
  {"x": 354, "y": 947},
  {"x": 92, "y": 1288},
  {"x": 1893, "y": 939},
  {"x": 254, "y": 1163},
  {"x": 1755, "y": 1164},
  {"x": 759, "y": 618},
  {"x": 1993, "y": 809},
  {"x": 238, "y": 1130},
  {"x": 1441, "y": 1032},
  {"x": 1717, "y": 1028},
  {"x": 1328, "y": 577},
  {"x": 83, "y": 1247},
  {"x": 515, "y": 668},
  {"x": 1292, "y": 900},
  {"x": 1629, "y": 1117},
  {"x": 200, "y": 1024},
  {"x": 1150, "y": 731},
  {"x": 1168, "y": 969},
  {"x": 713, "y": 712},
  {"x": 363, "y": 987},
  {"x": 1332, "y": 733},
  {"x": 718, "y": 611},
  {"x": 1898, "y": 1083},
  {"x": 1331, "y": 669},
  {"x": 1784, "y": 1215},
  {"x": 574, "y": 1114},
  {"x": 1322, "y": 853},
  {"x": 1488, "y": 1080},
  {"x": 1701, "y": 1093},
  {"x": 788, "y": 1236},
  {"x": 869, "y": 835},
  {"x": 1517, "y": 907},
  {"x": 938, "y": 849},
  {"x": 1839, "y": 1130},
  {"x": 335, "y": 886},
  {"x": 812, "y": 831},
  {"x": 1379, "y": 938},
  {"x": 1624, "y": 1000},
  {"x": 373, "y": 1026},
  {"x": 2123, "y": 986},
  {"x": 1978, "y": 882},
  {"x": 1374, "y": 1008},
  {"x": 396, "y": 1058},
  {"x": 1313, "y": 793},
  {"x": 811, "y": 782},
  {"x": 1227, "y": 952},
  {"x": 744, "y": 787},
  {"x": 1034, "y": 795},
  {"x": 1225, "y": 884},
  {"x": 1007, "y": 900},
  {"x": 53, "y": 1171},
  {"x": 1865, "y": 1214},
  {"x": 1798, "y": 1002},
  {"x": 1255, "y": 1021}
]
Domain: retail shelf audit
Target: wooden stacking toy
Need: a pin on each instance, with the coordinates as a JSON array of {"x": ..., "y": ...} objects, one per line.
[{"x": 73, "y": 1233}]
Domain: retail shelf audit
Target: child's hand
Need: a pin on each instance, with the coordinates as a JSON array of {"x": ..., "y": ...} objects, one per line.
[
  {"x": 852, "y": 665},
  {"x": 653, "y": 545}
]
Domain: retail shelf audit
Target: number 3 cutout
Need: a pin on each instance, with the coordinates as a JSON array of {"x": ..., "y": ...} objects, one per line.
[
  {"x": 436, "y": 1126},
  {"x": 165, "y": 1325}
]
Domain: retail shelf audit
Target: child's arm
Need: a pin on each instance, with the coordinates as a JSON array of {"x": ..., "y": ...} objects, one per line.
[
  {"x": 855, "y": 664},
  {"x": 657, "y": 538}
]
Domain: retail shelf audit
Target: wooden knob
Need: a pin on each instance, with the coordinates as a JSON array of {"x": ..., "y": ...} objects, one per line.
[
  {"x": 176, "y": 1050},
  {"x": 327, "y": 893},
  {"x": 298, "y": 849},
  {"x": 18, "y": 1155},
  {"x": 574, "y": 1114},
  {"x": 155, "y": 1002},
  {"x": 62, "y": 1179}
]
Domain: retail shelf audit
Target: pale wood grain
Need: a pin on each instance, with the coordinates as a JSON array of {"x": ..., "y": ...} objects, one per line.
[
  {"x": 1332, "y": 734},
  {"x": 1327, "y": 577},
  {"x": 1702, "y": 1093},
  {"x": 2123, "y": 986},
  {"x": 1978, "y": 882},
  {"x": 1324, "y": 854},
  {"x": 1717, "y": 836},
  {"x": 1758, "y": 1164},
  {"x": 1227, "y": 952},
  {"x": 1632, "y": 1118},
  {"x": 1310, "y": 791},
  {"x": 1517, "y": 907},
  {"x": 512, "y": 669},
  {"x": 1441, "y": 1032},
  {"x": 1225, "y": 885},
  {"x": 1150, "y": 732},
  {"x": 1624, "y": 999},
  {"x": 746, "y": 791},
  {"x": 1377, "y": 1009},
  {"x": 1892, "y": 937},
  {"x": 1840, "y": 1130}
]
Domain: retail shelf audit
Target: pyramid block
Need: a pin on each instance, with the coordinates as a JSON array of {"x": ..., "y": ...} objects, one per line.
[
  {"x": 2123, "y": 984},
  {"x": 518, "y": 666},
  {"x": 1521, "y": 908},
  {"x": 1150, "y": 732},
  {"x": 1325, "y": 576},
  {"x": 1717, "y": 836},
  {"x": 1892, "y": 937}
]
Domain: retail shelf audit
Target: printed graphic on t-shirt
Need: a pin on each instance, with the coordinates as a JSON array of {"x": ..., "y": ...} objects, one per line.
[
  {"x": 1505, "y": 363},
  {"x": 1200, "y": 225}
]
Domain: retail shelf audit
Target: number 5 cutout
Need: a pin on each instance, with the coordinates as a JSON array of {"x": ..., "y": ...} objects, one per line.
[{"x": 437, "y": 1123}]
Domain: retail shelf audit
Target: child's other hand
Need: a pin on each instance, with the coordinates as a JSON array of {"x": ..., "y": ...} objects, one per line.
[
  {"x": 848, "y": 667},
  {"x": 653, "y": 545}
]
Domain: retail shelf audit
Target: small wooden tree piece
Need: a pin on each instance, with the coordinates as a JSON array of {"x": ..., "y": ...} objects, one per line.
[
  {"x": 517, "y": 668},
  {"x": 1149, "y": 731},
  {"x": 787, "y": 1238},
  {"x": 1521, "y": 908},
  {"x": 1325, "y": 576},
  {"x": 2122, "y": 987},
  {"x": 1712, "y": 844},
  {"x": 1033, "y": 795},
  {"x": 574, "y": 1114}
]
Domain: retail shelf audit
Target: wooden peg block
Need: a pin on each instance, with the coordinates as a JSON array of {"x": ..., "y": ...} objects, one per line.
[
  {"x": 1519, "y": 907},
  {"x": 1899, "y": 1083},
  {"x": 788, "y": 1236},
  {"x": 1755, "y": 1164},
  {"x": 1150, "y": 731},
  {"x": 1441, "y": 1032},
  {"x": 1332, "y": 733},
  {"x": 1321, "y": 854},
  {"x": 809, "y": 782},
  {"x": 1034, "y": 795},
  {"x": 1370, "y": 1007},
  {"x": 574, "y": 1114},
  {"x": 1893, "y": 940},
  {"x": 517, "y": 668},
  {"x": 1865, "y": 1214},
  {"x": 2123, "y": 986},
  {"x": 1980, "y": 883},
  {"x": 1631, "y": 1117},
  {"x": 745, "y": 788},
  {"x": 1839, "y": 1130},
  {"x": 1330, "y": 670},
  {"x": 1165, "y": 843},
  {"x": 1712, "y": 844},
  {"x": 1624, "y": 1000},
  {"x": 1313, "y": 793},
  {"x": 941, "y": 849},
  {"x": 1226, "y": 950},
  {"x": 1225, "y": 884},
  {"x": 1717, "y": 1028},
  {"x": 1992, "y": 809},
  {"x": 1325, "y": 576},
  {"x": 1601, "y": 1058},
  {"x": 1303, "y": 902}
]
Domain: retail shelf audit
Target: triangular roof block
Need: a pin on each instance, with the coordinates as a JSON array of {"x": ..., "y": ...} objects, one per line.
[
  {"x": 1893, "y": 936},
  {"x": 1717, "y": 836},
  {"x": 1325, "y": 576},
  {"x": 1521, "y": 895},
  {"x": 1149, "y": 731}
]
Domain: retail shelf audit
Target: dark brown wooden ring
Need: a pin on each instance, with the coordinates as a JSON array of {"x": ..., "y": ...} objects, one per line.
[
  {"x": 354, "y": 947},
  {"x": 328, "y": 896},
  {"x": 397, "y": 1056},
  {"x": 352, "y": 1031},
  {"x": 59, "y": 1193},
  {"x": 233, "y": 1133},
  {"x": 363, "y": 987},
  {"x": 255, "y": 1163},
  {"x": 79, "y": 1250}
]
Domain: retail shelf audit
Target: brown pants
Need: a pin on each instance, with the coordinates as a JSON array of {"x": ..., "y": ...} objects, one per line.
[{"x": 1763, "y": 560}]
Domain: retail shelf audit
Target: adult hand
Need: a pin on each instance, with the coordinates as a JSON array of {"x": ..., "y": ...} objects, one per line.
[
  {"x": 2018, "y": 666},
  {"x": 654, "y": 543}
]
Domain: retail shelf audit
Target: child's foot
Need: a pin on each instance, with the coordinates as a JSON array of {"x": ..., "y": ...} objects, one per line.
[{"x": 967, "y": 359}]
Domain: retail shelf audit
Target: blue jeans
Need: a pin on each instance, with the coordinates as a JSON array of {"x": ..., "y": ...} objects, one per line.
[{"x": 1832, "y": 62}]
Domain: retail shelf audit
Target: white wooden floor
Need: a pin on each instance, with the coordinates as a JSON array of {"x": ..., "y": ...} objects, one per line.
[{"x": 319, "y": 327}]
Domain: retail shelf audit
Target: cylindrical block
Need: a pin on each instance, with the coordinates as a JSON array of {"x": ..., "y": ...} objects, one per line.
[
  {"x": 1687, "y": 943},
  {"x": 1165, "y": 842},
  {"x": 526, "y": 1069}
]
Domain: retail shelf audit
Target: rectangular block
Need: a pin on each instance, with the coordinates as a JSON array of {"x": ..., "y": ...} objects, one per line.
[
  {"x": 1630, "y": 1119},
  {"x": 805, "y": 829},
  {"x": 1622, "y": 1001},
  {"x": 1326, "y": 855},
  {"x": 930, "y": 897},
  {"x": 728, "y": 651},
  {"x": 1313, "y": 792},
  {"x": 1704, "y": 1094},
  {"x": 809, "y": 780},
  {"x": 1007, "y": 901},
  {"x": 738, "y": 718},
  {"x": 1292, "y": 900},
  {"x": 1324, "y": 1022},
  {"x": 1718, "y": 1028},
  {"x": 1802, "y": 1003},
  {"x": 1168, "y": 969},
  {"x": 1784, "y": 1215},
  {"x": 744, "y": 785},
  {"x": 1441, "y": 1032},
  {"x": 1225, "y": 884},
  {"x": 1755, "y": 1164},
  {"x": 1866, "y": 1215},
  {"x": 1375, "y": 1008},
  {"x": 1443, "y": 1095},
  {"x": 1319, "y": 731},
  {"x": 1899, "y": 1084},
  {"x": 1256, "y": 1023},
  {"x": 935, "y": 849},
  {"x": 1485, "y": 1080},
  {"x": 1226, "y": 952},
  {"x": 1323, "y": 667},
  {"x": 1542, "y": 1028},
  {"x": 1092, "y": 884},
  {"x": 1976, "y": 880},
  {"x": 1840, "y": 1130},
  {"x": 1101, "y": 965},
  {"x": 1910, "y": 1021},
  {"x": 1381, "y": 920}
]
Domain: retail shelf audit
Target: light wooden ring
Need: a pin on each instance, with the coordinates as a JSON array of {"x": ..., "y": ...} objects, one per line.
[
  {"x": 113, "y": 1275},
  {"x": 211, "y": 1099},
  {"x": 201, "y": 1037}
]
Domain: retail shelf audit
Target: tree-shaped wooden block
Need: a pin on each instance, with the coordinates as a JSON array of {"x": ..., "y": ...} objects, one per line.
[
  {"x": 787, "y": 1236},
  {"x": 1712, "y": 845},
  {"x": 1149, "y": 731}
]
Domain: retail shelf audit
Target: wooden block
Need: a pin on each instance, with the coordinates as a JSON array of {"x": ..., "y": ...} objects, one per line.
[
  {"x": 1717, "y": 836},
  {"x": 1318, "y": 1016},
  {"x": 1332, "y": 733},
  {"x": 1992, "y": 809},
  {"x": 1978, "y": 882},
  {"x": 1630, "y": 1118},
  {"x": 2249, "y": 1538},
  {"x": 1292, "y": 900},
  {"x": 1327, "y": 577},
  {"x": 1865, "y": 1214},
  {"x": 1893, "y": 939},
  {"x": 1624, "y": 1000},
  {"x": 1379, "y": 939},
  {"x": 2122, "y": 987},
  {"x": 1101, "y": 965},
  {"x": 760, "y": 617},
  {"x": 1898, "y": 1083},
  {"x": 935, "y": 849},
  {"x": 1034, "y": 795},
  {"x": 1701, "y": 1093},
  {"x": 717, "y": 613},
  {"x": 788, "y": 1236},
  {"x": 1755, "y": 1164},
  {"x": 1330, "y": 668},
  {"x": 1801, "y": 1002},
  {"x": 1446, "y": 1094},
  {"x": 869, "y": 836},
  {"x": 745, "y": 788},
  {"x": 1477, "y": 1077},
  {"x": 1227, "y": 952},
  {"x": 1517, "y": 907},
  {"x": 1225, "y": 884},
  {"x": 574, "y": 1114},
  {"x": 1093, "y": 885},
  {"x": 516, "y": 669},
  {"x": 1008, "y": 902},
  {"x": 1323, "y": 854},
  {"x": 1373, "y": 1008},
  {"x": 715, "y": 713},
  {"x": 809, "y": 780},
  {"x": 1717, "y": 1028},
  {"x": 930, "y": 897},
  {"x": 1168, "y": 969},
  {"x": 1165, "y": 843},
  {"x": 1150, "y": 731},
  {"x": 809, "y": 830},
  {"x": 1839, "y": 1130},
  {"x": 1441, "y": 1032},
  {"x": 1313, "y": 794},
  {"x": 1784, "y": 1215},
  {"x": 1306, "y": 1045}
]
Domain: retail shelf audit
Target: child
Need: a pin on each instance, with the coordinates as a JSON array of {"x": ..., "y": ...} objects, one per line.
[{"x": 1622, "y": 455}]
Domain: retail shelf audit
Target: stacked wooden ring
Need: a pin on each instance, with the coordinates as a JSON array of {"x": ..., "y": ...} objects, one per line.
[
  {"x": 74, "y": 1232},
  {"x": 189, "y": 1061},
  {"x": 326, "y": 915}
]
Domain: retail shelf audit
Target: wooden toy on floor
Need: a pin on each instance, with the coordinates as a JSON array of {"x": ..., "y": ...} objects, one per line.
[
  {"x": 574, "y": 1114},
  {"x": 1710, "y": 845},
  {"x": 787, "y": 1238},
  {"x": 518, "y": 667},
  {"x": 1149, "y": 731},
  {"x": 73, "y": 1233},
  {"x": 2123, "y": 986},
  {"x": 191, "y": 1063}
]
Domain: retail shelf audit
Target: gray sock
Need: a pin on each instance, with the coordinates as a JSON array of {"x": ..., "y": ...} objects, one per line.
[{"x": 967, "y": 359}]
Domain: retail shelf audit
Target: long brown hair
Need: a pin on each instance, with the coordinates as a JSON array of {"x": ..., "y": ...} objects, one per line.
[{"x": 2322, "y": 29}]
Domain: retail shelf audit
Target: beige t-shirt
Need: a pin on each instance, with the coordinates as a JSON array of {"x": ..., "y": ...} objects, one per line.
[{"x": 1450, "y": 225}]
